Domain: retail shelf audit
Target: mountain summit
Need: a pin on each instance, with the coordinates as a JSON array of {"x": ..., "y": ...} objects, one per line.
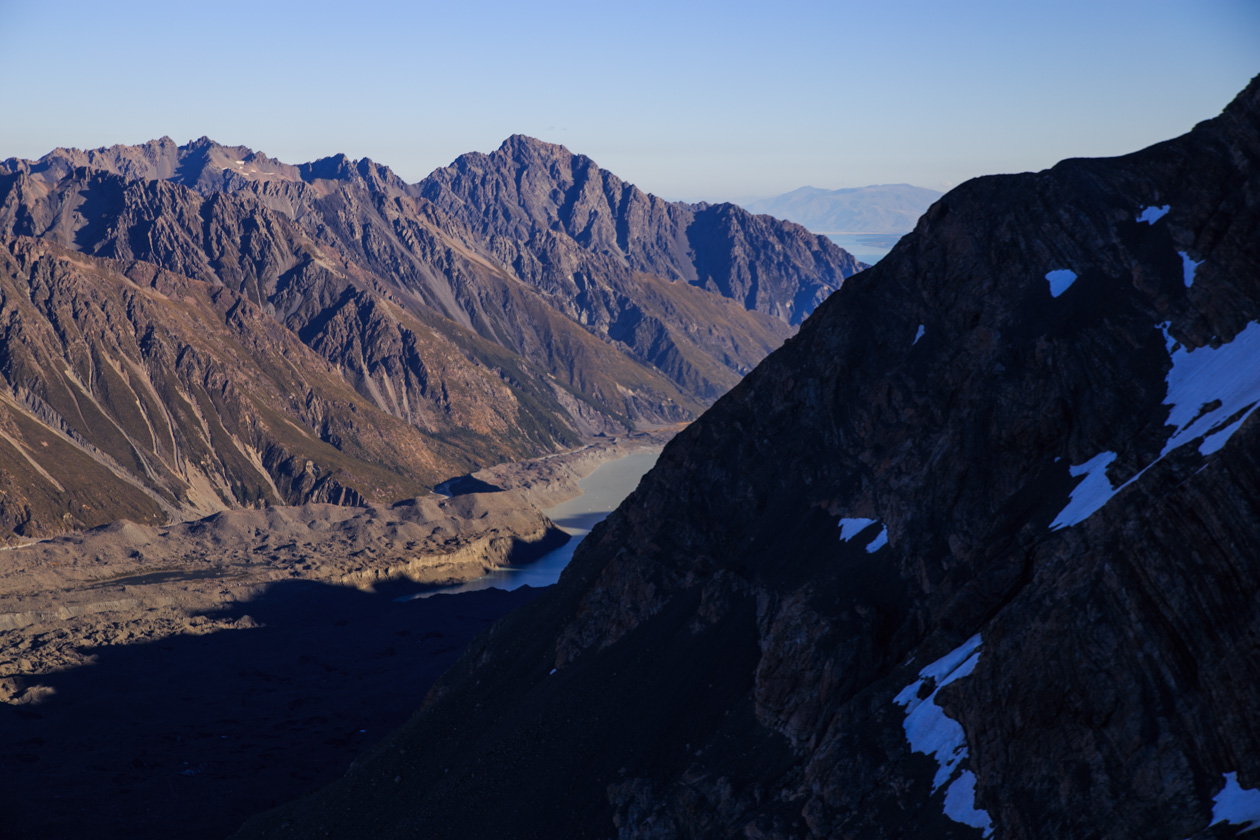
[
  {"x": 536, "y": 192},
  {"x": 973, "y": 555}
]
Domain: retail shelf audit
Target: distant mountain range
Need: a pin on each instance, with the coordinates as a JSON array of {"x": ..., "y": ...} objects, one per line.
[
  {"x": 190, "y": 328},
  {"x": 883, "y": 208}
]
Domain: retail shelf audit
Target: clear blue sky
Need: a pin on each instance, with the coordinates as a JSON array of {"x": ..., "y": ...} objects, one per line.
[{"x": 687, "y": 100}]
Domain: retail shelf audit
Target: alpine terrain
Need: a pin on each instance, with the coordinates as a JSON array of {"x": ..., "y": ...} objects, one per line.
[
  {"x": 975, "y": 554},
  {"x": 188, "y": 329}
]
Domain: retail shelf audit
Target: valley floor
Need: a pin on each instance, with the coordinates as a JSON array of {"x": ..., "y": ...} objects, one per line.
[{"x": 159, "y": 682}]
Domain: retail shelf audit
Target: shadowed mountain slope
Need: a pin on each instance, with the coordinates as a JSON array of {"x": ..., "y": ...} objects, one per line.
[{"x": 973, "y": 555}]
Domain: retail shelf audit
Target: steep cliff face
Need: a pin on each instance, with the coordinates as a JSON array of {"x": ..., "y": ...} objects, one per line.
[
  {"x": 465, "y": 253},
  {"x": 973, "y": 555},
  {"x": 541, "y": 197},
  {"x": 304, "y": 278},
  {"x": 132, "y": 392}
]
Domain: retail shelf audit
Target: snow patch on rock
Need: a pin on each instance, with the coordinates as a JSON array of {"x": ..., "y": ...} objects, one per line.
[
  {"x": 1236, "y": 804},
  {"x": 1060, "y": 279},
  {"x": 850, "y": 528},
  {"x": 1211, "y": 392},
  {"x": 917, "y": 336},
  {"x": 1091, "y": 494},
  {"x": 1187, "y": 268},
  {"x": 1228, "y": 375},
  {"x": 930, "y": 732},
  {"x": 1153, "y": 214},
  {"x": 960, "y": 804}
]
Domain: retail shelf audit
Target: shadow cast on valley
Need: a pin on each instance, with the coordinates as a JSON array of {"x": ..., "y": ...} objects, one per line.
[{"x": 189, "y": 735}]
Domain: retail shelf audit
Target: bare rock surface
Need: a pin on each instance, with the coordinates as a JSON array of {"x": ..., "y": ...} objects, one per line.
[
  {"x": 193, "y": 328},
  {"x": 973, "y": 555}
]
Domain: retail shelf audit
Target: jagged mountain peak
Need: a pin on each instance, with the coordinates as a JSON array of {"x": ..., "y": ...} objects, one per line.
[
  {"x": 208, "y": 166},
  {"x": 539, "y": 174},
  {"x": 202, "y": 164},
  {"x": 523, "y": 144},
  {"x": 336, "y": 167},
  {"x": 201, "y": 143},
  {"x": 531, "y": 191},
  {"x": 364, "y": 171},
  {"x": 521, "y": 151}
]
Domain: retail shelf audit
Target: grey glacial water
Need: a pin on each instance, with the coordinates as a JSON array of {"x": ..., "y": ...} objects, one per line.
[
  {"x": 602, "y": 491},
  {"x": 870, "y": 248}
]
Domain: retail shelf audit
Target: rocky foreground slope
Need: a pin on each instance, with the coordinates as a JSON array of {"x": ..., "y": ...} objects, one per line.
[
  {"x": 195, "y": 328},
  {"x": 974, "y": 554}
]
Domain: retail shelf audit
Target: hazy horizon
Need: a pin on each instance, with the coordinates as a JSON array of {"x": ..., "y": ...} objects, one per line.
[
  {"x": 729, "y": 102},
  {"x": 191, "y": 140}
]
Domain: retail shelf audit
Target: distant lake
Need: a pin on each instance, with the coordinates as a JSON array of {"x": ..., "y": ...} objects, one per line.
[
  {"x": 870, "y": 248},
  {"x": 602, "y": 491}
]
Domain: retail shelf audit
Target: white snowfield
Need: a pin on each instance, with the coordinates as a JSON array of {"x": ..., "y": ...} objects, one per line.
[
  {"x": 1229, "y": 373},
  {"x": 1153, "y": 214},
  {"x": 930, "y": 732},
  {"x": 1211, "y": 392}
]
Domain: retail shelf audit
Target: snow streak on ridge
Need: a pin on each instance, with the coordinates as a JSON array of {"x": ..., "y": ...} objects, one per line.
[
  {"x": 930, "y": 732},
  {"x": 1211, "y": 391}
]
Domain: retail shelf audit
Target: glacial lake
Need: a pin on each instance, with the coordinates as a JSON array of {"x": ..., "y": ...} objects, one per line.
[
  {"x": 602, "y": 491},
  {"x": 870, "y": 248}
]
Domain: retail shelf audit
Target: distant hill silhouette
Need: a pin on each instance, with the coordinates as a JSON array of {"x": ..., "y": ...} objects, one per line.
[{"x": 883, "y": 208}]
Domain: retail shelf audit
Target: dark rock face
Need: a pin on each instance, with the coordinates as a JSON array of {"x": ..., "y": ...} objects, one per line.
[
  {"x": 465, "y": 345},
  {"x": 974, "y": 554}
]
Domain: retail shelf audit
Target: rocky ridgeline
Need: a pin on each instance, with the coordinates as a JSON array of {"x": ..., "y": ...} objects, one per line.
[
  {"x": 973, "y": 555},
  {"x": 201, "y": 327},
  {"x": 600, "y": 231}
]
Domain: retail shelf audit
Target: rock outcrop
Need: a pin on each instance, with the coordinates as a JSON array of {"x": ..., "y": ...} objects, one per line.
[{"x": 974, "y": 554}]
